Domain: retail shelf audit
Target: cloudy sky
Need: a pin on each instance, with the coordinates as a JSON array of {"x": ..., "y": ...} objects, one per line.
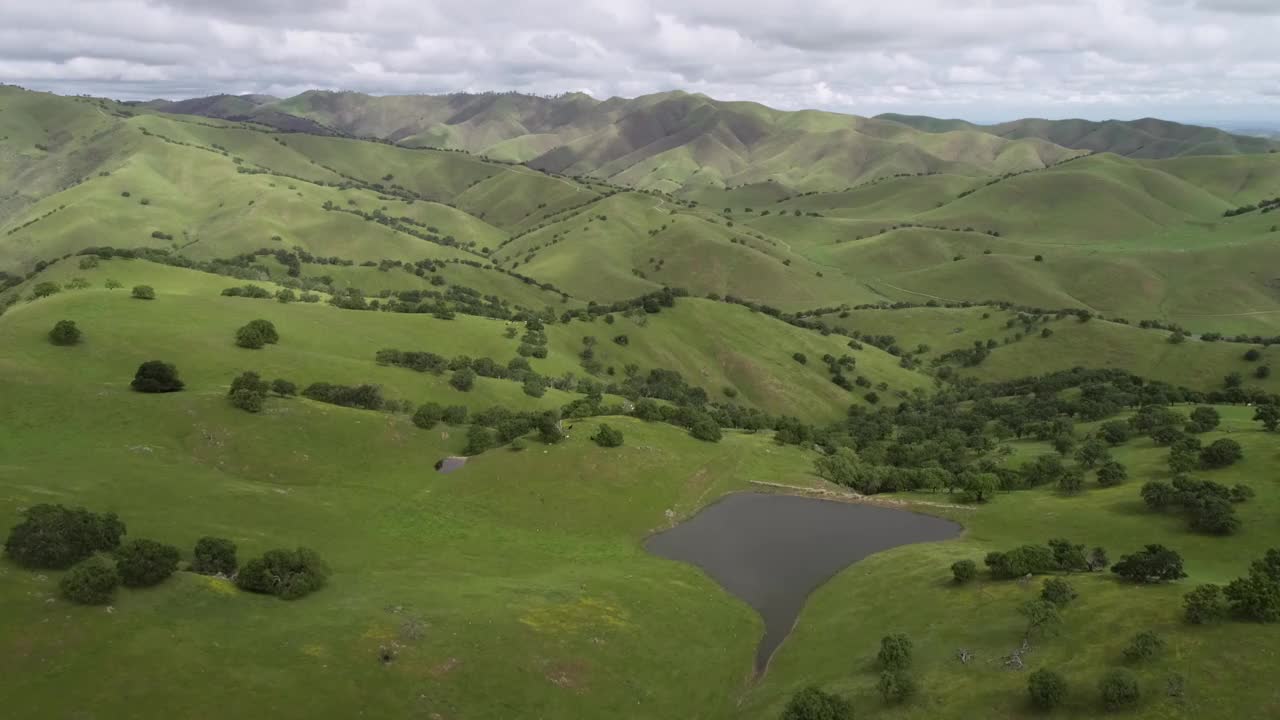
[{"x": 1193, "y": 60}]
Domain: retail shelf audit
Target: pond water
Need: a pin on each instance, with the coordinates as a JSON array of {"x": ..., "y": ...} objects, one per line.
[
  {"x": 771, "y": 551},
  {"x": 449, "y": 464}
]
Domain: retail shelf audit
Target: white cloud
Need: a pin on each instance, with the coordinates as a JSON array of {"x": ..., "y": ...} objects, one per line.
[{"x": 985, "y": 59}]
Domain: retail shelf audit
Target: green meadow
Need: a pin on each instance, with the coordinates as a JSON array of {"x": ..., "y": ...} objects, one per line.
[{"x": 517, "y": 586}]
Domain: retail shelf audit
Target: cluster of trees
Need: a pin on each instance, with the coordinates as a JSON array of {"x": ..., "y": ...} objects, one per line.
[
  {"x": 1254, "y": 597},
  {"x": 249, "y": 391},
  {"x": 55, "y": 537},
  {"x": 287, "y": 574},
  {"x": 1209, "y": 506},
  {"x": 1059, "y": 555},
  {"x": 365, "y": 397}
]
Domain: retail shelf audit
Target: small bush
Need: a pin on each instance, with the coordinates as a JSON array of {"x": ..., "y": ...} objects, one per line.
[
  {"x": 214, "y": 556},
  {"x": 1144, "y": 646},
  {"x": 428, "y": 415},
  {"x": 256, "y": 334},
  {"x": 479, "y": 439},
  {"x": 1058, "y": 591},
  {"x": 895, "y": 652},
  {"x": 1204, "y": 605},
  {"x": 143, "y": 563},
  {"x": 962, "y": 571},
  {"x": 1047, "y": 689},
  {"x": 705, "y": 429},
  {"x": 454, "y": 415},
  {"x": 65, "y": 333},
  {"x": 144, "y": 292},
  {"x": 155, "y": 376},
  {"x": 607, "y": 436},
  {"x": 92, "y": 582},
  {"x": 463, "y": 379},
  {"x": 283, "y": 388},
  {"x": 896, "y": 686},
  {"x": 248, "y": 400},
  {"x": 814, "y": 704},
  {"x": 1119, "y": 689},
  {"x": 287, "y": 574}
]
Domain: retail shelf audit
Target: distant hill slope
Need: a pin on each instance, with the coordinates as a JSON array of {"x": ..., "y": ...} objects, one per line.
[
  {"x": 1147, "y": 138},
  {"x": 666, "y": 141},
  {"x": 1171, "y": 239}
]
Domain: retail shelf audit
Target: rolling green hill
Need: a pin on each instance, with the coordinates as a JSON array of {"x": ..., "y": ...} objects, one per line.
[{"x": 755, "y": 300}]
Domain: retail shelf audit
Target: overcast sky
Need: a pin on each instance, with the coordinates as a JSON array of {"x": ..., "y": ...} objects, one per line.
[{"x": 1192, "y": 60}]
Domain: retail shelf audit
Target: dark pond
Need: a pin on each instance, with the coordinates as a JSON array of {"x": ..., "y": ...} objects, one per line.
[
  {"x": 771, "y": 551},
  {"x": 449, "y": 464}
]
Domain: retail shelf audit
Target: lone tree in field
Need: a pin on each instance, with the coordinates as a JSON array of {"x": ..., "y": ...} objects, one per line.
[
  {"x": 812, "y": 703},
  {"x": 65, "y": 333},
  {"x": 1047, "y": 689},
  {"x": 1119, "y": 689},
  {"x": 607, "y": 436},
  {"x": 895, "y": 652},
  {"x": 1042, "y": 618},
  {"x": 214, "y": 556},
  {"x": 256, "y": 334},
  {"x": 962, "y": 571},
  {"x": 92, "y": 582},
  {"x": 1144, "y": 646},
  {"x": 156, "y": 376},
  {"x": 143, "y": 563},
  {"x": 1058, "y": 591},
  {"x": 144, "y": 292}
]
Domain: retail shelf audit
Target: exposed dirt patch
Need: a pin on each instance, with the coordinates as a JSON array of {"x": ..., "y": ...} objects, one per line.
[
  {"x": 444, "y": 668},
  {"x": 569, "y": 674}
]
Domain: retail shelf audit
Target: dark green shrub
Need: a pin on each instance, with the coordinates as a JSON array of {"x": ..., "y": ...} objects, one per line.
[
  {"x": 287, "y": 574},
  {"x": 1152, "y": 564},
  {"x": 896, "y": 686},
  {"x": 144, "y": 292},
  {"x": 1058, "y": 591},
  {"x": 705, "y": 429},
  {"x": 91, "y": 582},
  {"x": 155, "y": 376},
  {"x": 57, "y": 537},
  {"x": 248, "y": 401},
  {"x": 1119, "y": 689},
  {"x": 214, "y": 556},
  {"x": 962, "y": 571},
  {"x": 283, "y": 388},
  {"x": 428, "y": 415},
  {"x": 1047, "y": 689},
  {"x": 454, "y": 415},
  {"x": 607, "y": 436},
  {"x": 895, "y": 652},
  {"x": 479, "y": 439},
  {"x": 1144, "y": 646},
  {"x": 143, "y": 563},
  {"x": 1204, "y": 605},
  {"x": 65, "y": 333},
  {"x": 814, "y": 704},
  {"x": 463, "y": 380}
]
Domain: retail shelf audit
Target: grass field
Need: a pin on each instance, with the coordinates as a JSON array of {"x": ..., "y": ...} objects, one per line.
[{"x": 518, "y": 586}]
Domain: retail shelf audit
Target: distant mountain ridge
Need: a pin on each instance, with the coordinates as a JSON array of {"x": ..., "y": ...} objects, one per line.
[
  {"x": 1147, "y": 138},
  {"x": 672, "y": 140},
  {"x": 666, "y": 141}
]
